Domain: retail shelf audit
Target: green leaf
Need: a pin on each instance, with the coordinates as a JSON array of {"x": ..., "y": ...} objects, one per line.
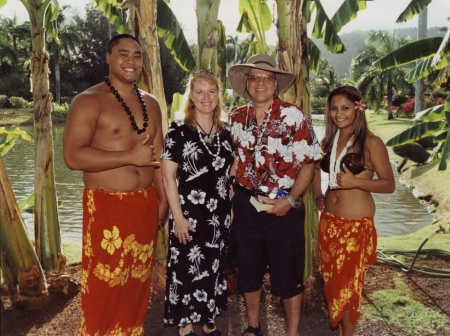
[
  {"x": 410, "y": 52},
  {"x": 7, "y": 143},
  {"x": 444, "y": 49},
  {"x": 314, "y": 56},
  {"x": 170, "y": 31},
  {"x": 417, "y": 132},
  {"x": 426, "y": 67},
  {"x": 347, "y": 12},
  {"x": 446, "y": 150},
  {"x": 434, "y": 113},
  {"x": 2, "y": 3},
  {"x": 26, "y": 204},
  {"x": 325, "y": 30},
  {"x": 414, "y": 7},
  {"x": 114, "y": 13}
]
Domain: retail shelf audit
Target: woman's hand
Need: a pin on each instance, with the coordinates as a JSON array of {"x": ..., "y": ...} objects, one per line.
[
  {"x": 319, "y": 201},
  {"x": 345, "y": 179},
  {"x": 182, "y": 230}
]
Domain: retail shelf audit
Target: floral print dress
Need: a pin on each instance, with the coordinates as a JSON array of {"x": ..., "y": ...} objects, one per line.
[{"x": 196, "y": 283}]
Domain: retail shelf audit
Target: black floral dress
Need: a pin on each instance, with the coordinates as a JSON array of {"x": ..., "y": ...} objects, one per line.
[{"x": 196, "y": 283}]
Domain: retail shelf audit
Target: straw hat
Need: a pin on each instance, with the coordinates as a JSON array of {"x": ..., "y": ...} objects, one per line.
[{"x": 238, "y": 80}]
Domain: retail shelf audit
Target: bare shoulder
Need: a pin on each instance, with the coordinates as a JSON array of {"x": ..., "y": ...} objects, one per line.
[
  {"x": 152, "y": 103},
  {"x": 88, "y": 100},
  {"x": 374, "y": 142}
]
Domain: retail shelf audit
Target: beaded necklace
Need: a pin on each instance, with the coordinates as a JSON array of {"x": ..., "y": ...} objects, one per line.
[
  {"x": 335, "y": 164},
  {"x": 262, "y": 126},
  {"x": 127, "y": 109},
  {"x": 212, "y": 140}
]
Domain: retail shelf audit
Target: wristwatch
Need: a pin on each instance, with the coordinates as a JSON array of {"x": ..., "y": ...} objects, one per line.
[{"x": 294, "y": 204}]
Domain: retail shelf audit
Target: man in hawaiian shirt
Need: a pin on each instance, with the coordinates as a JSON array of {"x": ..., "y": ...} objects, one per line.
[{"x": 275, "y": 150}]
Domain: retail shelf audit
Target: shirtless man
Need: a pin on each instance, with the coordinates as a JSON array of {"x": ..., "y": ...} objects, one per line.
[{"x": 124, "y": 196}]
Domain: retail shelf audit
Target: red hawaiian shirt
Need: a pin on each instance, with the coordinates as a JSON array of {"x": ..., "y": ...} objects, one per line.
[{"x": 272, "y": 153}]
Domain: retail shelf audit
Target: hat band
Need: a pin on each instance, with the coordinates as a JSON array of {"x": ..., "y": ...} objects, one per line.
[{"x": 264, "y": 62}]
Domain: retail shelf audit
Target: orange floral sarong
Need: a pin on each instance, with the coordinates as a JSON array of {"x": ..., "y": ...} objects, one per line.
[
  {"x": 345, "y": 246},
  {"x": 119, "y": 235}
]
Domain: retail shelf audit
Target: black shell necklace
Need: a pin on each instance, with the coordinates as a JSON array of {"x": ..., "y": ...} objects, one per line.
[{"x": 127, "y": 109}]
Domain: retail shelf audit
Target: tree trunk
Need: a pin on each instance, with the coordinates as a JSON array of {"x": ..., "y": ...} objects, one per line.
[
  {"x": 57, "y": 84},
  {"x": 292, "y": 43},
  {"x": 143, "y": 26},
  {"x": 17, "y": 253},
  {"x": 389, "y": 98},
  {"x": 421, "y": 34},
  {"x": 207, "y": 12},
  {"x": 46, "y": 222},
  {"x": 47, "y": 232}
]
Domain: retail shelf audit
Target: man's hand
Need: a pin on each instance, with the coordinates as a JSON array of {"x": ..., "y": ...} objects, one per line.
[
  {"x": 143, "y": 154},
  {"x": 280, "y": 206}
]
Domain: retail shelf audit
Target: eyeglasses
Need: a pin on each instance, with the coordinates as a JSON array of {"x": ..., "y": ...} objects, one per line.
[
  {"x": 207, "y": 71},
  {"x": 266, "y": 79}
]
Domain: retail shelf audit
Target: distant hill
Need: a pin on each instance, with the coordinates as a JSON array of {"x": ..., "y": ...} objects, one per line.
[{"x": 355, "y": 40}]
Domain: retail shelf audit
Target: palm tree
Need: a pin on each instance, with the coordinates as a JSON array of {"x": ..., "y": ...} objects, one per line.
[
  {"x": 69, "y": 37},
  {"x": 371, "y": 81}
]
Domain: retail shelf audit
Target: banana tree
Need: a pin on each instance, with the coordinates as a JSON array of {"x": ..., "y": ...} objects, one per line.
[
  {"x": 298, "y": 54},
  {"x": 47, "y": 235},
  {"x": 21, "y": 269},
  {"x": 434, "y": 54}
]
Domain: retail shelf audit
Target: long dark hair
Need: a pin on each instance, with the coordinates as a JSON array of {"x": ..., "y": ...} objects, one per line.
[{"x": 360, "y": 128}]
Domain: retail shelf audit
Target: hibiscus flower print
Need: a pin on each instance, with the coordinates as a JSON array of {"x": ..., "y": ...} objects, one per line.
[
  {"x": 212, "y": 204},
  {"x": 218, "y": 163},
  {"x": 197, "y": 197},
  {"x": 292, "y": 115},
  {"x": 112, "y": 240},
  {"x": 186, "y": 299},
  {"x": 215, "y": 266},
  {"x": 211, "y": 305},
  {"x": 195, "y": 317},
  {"x": 201, "y": 295}
]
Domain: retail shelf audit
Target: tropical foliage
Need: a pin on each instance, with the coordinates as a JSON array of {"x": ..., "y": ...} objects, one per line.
[{"x": 373, "y": 82}]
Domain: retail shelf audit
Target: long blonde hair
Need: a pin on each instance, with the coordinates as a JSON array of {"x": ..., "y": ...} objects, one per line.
[
  {"x": 189, "y": 109},
  {"x": 360, "y": 129}
]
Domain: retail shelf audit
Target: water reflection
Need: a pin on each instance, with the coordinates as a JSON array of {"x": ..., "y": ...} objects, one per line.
[{"x": 398, "y": 213}]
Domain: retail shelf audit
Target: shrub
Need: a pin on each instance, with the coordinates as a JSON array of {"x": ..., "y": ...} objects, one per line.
[
  {"x": 318, "y": 104},
  {"x": 412, "y": 151},
  {"x": 408, "y": 107},
  {"x": 60, "y": 109},
  {"x": 18, "y": 102},
  {"x": 399, "y": 100}
]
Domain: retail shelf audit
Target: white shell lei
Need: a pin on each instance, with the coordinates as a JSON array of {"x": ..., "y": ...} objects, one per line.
[
  {"x": 336, "y": 164},
  {"x": 206, "y": 146}
]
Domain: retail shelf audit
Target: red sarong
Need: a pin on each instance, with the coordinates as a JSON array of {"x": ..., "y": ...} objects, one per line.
[
  {"x": 119, "y": 236},
  {"x": 345, "y": 246}
]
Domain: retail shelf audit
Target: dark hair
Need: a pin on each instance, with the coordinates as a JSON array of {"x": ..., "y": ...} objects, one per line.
[
  {"x": 116, "y": 39},
  {"x": 189, "y": 109},
  {"x": 360, "y": 129}
]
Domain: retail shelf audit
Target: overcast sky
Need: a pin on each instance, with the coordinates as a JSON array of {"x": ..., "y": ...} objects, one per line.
[{"x": 380, "y": 14}]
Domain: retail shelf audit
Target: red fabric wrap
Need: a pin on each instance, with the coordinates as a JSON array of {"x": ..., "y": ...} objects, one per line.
[
  {"x": 119, "y": 237},
  {"x": 345, "y": 246}
]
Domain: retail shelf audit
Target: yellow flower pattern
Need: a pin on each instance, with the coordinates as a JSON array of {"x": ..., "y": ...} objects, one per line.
[
  {"x": 130, "y": 259},
  {"x": 345, "y": 246},
  {"x": 112, "y": 240}
]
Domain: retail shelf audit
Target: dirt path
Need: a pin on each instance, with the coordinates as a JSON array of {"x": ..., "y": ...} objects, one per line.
[{"x": 62, "y": 315}]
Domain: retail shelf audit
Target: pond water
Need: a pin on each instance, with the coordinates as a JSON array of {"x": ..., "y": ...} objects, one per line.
[{"x": 397, "y": 214}]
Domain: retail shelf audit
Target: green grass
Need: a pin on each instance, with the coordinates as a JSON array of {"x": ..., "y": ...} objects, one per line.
[
  {"x": 72, "y": 251},
  {"x": 397, "y": 308}
]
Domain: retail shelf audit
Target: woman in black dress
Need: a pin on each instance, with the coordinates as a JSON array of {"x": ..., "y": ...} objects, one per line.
[{"x": 196, "y": 161}]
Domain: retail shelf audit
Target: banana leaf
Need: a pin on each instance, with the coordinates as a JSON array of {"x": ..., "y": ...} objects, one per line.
[
  {"x": 324, "y": 29},
  {"x": 347, "y": 12},
  {"x": 417, "y": 132},
  {"x": 414, "y": 7},
  {"x": 170, "y": 31},
  {"x": 114, "y": 13},
  {"x": 410, "y": 52}
]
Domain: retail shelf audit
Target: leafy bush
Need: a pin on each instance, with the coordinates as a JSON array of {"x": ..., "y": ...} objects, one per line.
[
  {"x": 318, "y": 104},
  {"x": 408, "y": 107},
  {"x": 399, "y": 100},
  {"x": 60, "y": 109},
  {"x": 412, "y": 151},
  {"x": 18, "y": 102}
]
